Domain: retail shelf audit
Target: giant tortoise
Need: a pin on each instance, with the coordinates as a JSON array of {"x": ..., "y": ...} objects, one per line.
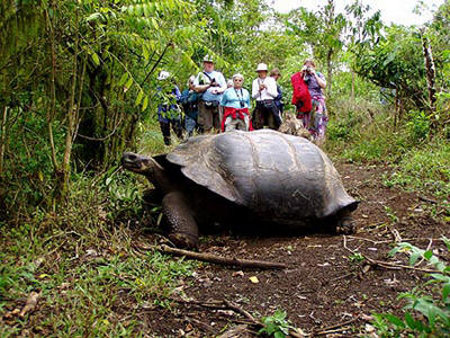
[{"x": 260, "y": 178}]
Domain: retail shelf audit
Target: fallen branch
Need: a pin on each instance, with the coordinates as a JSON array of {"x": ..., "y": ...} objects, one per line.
[
  {"x": 429, "y": 200},
  {"x": 204, "y": 257},
  {"x": 390, "y": 240}
]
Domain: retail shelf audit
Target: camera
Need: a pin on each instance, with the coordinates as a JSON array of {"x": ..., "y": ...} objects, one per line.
[
  {"x": 214, "y": 83},
  {"x": 242, "y": 104}
]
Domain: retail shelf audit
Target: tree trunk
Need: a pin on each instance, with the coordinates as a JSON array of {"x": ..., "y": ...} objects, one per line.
[
  {"x": 51, "y": 111},
  {"x": 3, "y": 137},
  {"x": 330, "y": 71},
  {"x": 430, "y": 71},
  {"x": 66, "y": 165},
  {"x": 353, "y": 86}
]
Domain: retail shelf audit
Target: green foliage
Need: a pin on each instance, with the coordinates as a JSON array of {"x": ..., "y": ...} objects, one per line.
[
  {"x": 427, "y": 312},
  {"x": 84, "y": 265},
  {"x": 419, "y": 125},
  {"x": 276, "y": 325},
  {"x": 424, "y": 168}
]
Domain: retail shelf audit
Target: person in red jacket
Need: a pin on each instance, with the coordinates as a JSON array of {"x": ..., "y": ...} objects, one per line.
[{"x": 309, "y": 99}]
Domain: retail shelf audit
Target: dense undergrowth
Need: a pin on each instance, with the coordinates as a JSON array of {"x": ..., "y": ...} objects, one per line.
[
  {"x": 367, "y": 135},
  {"x": 82, "y": 262}
]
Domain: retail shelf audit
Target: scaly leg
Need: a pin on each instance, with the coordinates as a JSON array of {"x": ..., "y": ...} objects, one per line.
[{"x": 183, "y": 229}]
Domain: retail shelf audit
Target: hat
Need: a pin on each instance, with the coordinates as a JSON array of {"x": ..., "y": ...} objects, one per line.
[
  {"x": 261, "y": 67},
  {"x": 163, "y": 75},
  {"x": 208, "y": 58}
]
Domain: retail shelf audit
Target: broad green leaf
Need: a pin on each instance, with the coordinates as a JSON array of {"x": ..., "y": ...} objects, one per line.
[
  {"x": 395, "y": 320},
  {"x": 445, "y": 292},
  {"x": 129, "y": 83},
  {"x": 410, "y": 321},
  {"x": 145, "y": 103},
  {"x": 446, "y": 241},
  {"x": 414, "y": 257},
  {"x": 428, "y": 254},
  {"x": 95, "y": 59},
  {"x": 139, "y": 98},
  {"x": 122, "y": 80}
]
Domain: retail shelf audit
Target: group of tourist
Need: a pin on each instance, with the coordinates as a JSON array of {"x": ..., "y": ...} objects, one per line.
[{"x": 210, "y": 103}]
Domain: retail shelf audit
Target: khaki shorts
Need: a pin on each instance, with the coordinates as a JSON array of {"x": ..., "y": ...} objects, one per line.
[{"x": 208, "y": 117}]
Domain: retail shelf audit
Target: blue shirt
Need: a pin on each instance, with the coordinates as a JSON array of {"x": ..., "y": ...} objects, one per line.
[
  {"x": 202, "y": 79},
  {"x": 233, "y": 98}
]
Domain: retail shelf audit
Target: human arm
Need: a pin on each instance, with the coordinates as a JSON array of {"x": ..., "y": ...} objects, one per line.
[
  {"x": 320, "y": 80},
  {"x": 247, "y": 98},
  {"x": 255, "y": 89},
  {"x": 271, "y": 86},
  {"x": 200, "y": 88},
  {"x": 224, "y": 100},
  {"x": 220, "y": 80}
]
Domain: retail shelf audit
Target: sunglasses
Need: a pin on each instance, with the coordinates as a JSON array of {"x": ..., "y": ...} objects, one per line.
[{"x": 238, "y": 80}]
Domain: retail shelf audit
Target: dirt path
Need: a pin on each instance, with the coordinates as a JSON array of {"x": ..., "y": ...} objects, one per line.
[{"x": 326, "y": 284}]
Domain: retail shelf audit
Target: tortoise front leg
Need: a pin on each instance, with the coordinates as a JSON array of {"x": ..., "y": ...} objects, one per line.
[{"x": 183, "y": 229}]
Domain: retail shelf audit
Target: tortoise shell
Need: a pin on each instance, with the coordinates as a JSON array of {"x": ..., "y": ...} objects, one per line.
[{"x": 279, "y": 177}]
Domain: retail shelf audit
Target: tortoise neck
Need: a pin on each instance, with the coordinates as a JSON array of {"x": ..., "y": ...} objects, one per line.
[{"x": 160, "y": 178}]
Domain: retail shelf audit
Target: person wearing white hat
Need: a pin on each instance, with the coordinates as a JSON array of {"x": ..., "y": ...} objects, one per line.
[
  {"x": 236, "y": 102},
  {"x": 211, "y": 84},
  {"x": 169, "y": 113},
  {"x": 264, "y": 91}
]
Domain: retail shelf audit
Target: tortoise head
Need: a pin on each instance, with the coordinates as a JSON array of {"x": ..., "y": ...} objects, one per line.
[{"x": 140, "y": 164}]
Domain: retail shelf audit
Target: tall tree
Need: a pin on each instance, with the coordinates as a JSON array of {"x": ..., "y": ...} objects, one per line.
[{"x": 322, "y": 31}]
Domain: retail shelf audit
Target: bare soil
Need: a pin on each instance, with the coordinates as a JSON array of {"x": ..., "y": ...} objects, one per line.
[{"x": 326, "y": 285}]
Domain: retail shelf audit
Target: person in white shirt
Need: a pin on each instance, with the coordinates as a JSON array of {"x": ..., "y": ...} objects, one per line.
[{"x": 264, "y": 91}]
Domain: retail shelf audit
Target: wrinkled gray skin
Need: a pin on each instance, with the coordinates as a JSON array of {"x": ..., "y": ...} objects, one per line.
[{"x": 261, "y": 177}]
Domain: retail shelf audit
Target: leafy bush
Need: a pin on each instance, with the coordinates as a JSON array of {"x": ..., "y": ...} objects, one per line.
[
  {"x": 427, "y": 313},
  {"x": 276, "y": 325},
  {"x": 419, "y": 125}
]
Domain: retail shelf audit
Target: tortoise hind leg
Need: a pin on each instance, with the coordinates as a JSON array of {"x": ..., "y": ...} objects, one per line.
[
  {"x": 183, "y": 229},
  {"x": 346, "y": 224}
]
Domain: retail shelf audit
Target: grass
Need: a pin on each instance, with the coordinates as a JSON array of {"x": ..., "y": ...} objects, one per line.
[{"x": 81, "y": 259}]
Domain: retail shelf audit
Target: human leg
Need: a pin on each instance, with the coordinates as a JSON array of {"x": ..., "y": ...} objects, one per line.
[
  {"x": 257, "y": 117},
  {"x": 165, "y": 131},
  {"x": 176, "y": 127},
  {"x": 205, "y": 121},
  {"x": 189, "y": 125},
  {"x": 230, "y": 124}
]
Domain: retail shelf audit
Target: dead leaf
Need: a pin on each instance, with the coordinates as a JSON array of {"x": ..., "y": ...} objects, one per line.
[
  {"x": 254, "y": 280},
  {"x": 31, "y": 303},
  {"x": 12, "y": 314}
]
